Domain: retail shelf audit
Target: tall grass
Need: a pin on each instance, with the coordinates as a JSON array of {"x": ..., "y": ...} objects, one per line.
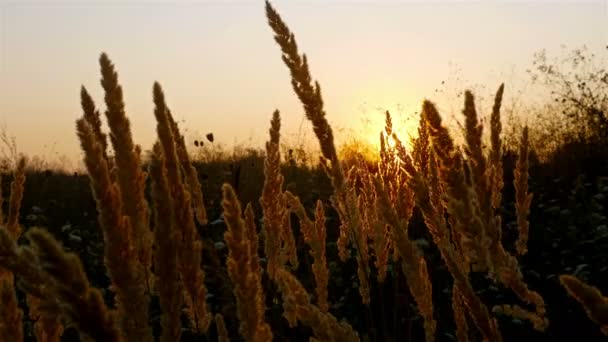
[{"x": 457, "y": 190}]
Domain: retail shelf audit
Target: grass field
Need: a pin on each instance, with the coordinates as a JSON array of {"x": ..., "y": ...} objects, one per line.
[{"x": 487, "y": 234}]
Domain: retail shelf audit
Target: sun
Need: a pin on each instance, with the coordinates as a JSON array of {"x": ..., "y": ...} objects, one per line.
[
  {"x": 404, "y": 122},
  {"x": 373, "y": 98},
  {"x": 364, "y": 138}
]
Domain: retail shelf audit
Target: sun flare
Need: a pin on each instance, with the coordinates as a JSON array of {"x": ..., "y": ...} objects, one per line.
[
  {"x": 379, "y": 96},
  {"x": 404, "y": 125}
]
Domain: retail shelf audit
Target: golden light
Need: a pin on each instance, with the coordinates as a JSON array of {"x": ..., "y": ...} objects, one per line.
[
  {"x": 364, "y": 138},
  {"x": 404, "y": 125},
  {"x": 375, "y": 99}
]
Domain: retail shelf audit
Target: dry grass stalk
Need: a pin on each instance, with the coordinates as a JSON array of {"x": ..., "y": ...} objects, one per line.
[
  {"x": 11, "y": 322},
  {"x": 383, "y": 245},
  {"x": 435, "y": 222},
  {"x": 57, "y": 281},
  {"x": 131, "y": 178},
  {"x": 475, "y": 156},
  {"x": 288, "y": 252},
  {"x": 500, "y": 262},
  {"x": 509, "y": 275},
  {"x": 119, "y": 255},
  {"x": 474, "y": 227},
  {"x": 462, "y": 328},
  {"x": 66, "y": 283},
  {"x": 315, "y": 237},
  {"x": 374, "y": 227},
  {"x": 343, "y": 200},
  {"x": 22, "y": 262},
  {"x": 400, "y": 195},
  {"x": 441, "y": 236},
  {"x": 190, "y": 245},
  {"x": 412, "y": 262},
  {"x": 362, "y": 234},
  {"x": 92, "y": 116},
  {"x": 254, "y": 241},
  {"x": 592, "y": 300},
  {"x": 2, "y": 214},
  {"x": 468, "y": 229},
  {"x": 11, "y": 325},
  {"x": 523, "y": 199},
  {"x": 167, "y": 245},
  {"x": 272, "y": 200},
  {"x": 222, "y": 333},
  {"x": 14, "y": 261},
  {"x": 344, "y": 231},
  {"x": 495, "y": 158},
  {"x": 309, "y": 95},
  {"x": 244, "y": 275},
  {"x": 297, "y": 307},
  {"x": 435, "y": 188},
  {"x": 17, "y": 186},
  {"x": 421, "y": 148},
  {"x": 47, "y": 328},
  {"x": 319, "y": 266}
]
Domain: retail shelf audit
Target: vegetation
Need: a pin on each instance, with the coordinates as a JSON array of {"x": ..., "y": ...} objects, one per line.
[{"x": 437, "y": 242}]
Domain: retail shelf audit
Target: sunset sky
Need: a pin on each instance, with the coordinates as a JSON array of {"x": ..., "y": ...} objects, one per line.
[{"x": 222, "y": 72}]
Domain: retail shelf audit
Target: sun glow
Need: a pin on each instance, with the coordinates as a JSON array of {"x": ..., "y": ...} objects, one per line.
[
  {"x": 364, "y": 138},
  {"x": 404, "y": 123},
  {"x": 379, "y": 96}
]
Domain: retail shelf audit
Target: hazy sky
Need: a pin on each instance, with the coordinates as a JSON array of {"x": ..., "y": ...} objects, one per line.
[{"x": 222, "y": 72}]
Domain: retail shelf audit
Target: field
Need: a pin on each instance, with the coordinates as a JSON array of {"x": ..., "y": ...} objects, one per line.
[{"x": 492, "y": 233}]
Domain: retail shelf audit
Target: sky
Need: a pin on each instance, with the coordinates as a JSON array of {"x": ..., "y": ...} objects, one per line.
[{"x": 222, "y": 71}]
